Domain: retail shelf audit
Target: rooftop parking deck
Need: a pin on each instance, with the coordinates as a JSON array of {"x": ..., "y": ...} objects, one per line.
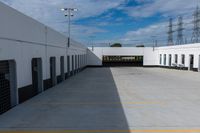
[{"x": 119, "y": 99}]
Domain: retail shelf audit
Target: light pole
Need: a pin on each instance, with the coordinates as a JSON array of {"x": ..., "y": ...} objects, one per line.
[
  {"x": 155, "y": 42},
  {"x": 68, "y": 13},
  {"x": 92, "y": 41}
]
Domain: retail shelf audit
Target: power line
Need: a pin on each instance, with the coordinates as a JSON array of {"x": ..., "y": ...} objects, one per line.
[
  {"x": 196, "y": 30},
  {"x": 180, "y": 31},
  {"x": 170, "y": 32}
]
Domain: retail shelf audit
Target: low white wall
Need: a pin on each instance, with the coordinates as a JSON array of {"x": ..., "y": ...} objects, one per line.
[
  {"x": 187, "y": 50},
  {"x": 95, "y": 55},
  {"x": 151, "y": 55}
]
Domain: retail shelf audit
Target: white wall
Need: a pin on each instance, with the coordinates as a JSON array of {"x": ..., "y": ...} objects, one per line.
[
  {"x": 151, "y": 55},
  {"x": 95, "y": 55},
  {"x": 23, "y": 38},
  {"x": 187, "y": 50}
]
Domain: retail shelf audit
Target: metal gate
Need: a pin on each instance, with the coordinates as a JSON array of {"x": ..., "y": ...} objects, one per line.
[{"x": 5, "y": 93}]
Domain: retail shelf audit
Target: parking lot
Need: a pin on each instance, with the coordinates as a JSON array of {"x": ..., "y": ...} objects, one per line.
[{"x": 118, "y": 99}]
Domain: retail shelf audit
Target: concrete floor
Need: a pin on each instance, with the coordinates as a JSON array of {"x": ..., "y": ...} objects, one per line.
[{"x": 114, "y": 100}]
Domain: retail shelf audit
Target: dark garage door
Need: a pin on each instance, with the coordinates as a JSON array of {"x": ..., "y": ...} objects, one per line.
[
  {"x": 111, "y": 61},
  {"x": 5, "y": 94}
]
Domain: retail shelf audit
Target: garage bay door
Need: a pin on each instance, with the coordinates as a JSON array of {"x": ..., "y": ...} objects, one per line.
[
  {"x": 122, "y": 61},
  {"x": 5, "y": 94}
]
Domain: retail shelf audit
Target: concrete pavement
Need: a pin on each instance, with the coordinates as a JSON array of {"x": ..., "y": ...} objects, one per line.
[{"x": 113, "y": 100}]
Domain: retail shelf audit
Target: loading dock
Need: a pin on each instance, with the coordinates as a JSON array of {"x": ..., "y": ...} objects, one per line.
[
  {"x": 82, "y": 60},
  {"x": 53, "y": 71},
  {"x": 76, "y": 61},
  {"x": 122, "y": 61},
  {"x": 68, "y": 66},
  {"x": 8, "y": 90},
  {"x": 62, "y": 69},
  {"x": 170, "y": 60},
  {"x": 37, "y": 82},
  {"x": 5, "y": 96},
  {"x": 72, "y": 72},
  {"x": 199, "y": 64},
  {"x": 191, "y": 62},
  {"x": 165, "y": 59}
]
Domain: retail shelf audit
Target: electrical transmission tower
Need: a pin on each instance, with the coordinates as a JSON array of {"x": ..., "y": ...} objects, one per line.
[
  {"x": 196, "y": 29},
  {"x": 170, "y": 33},
  {"x": 180, "y": 29}
]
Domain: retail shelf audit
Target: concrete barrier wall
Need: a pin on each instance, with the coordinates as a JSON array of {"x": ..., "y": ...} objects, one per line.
[
  {"x": 151, "y": 55},
  {"x": 23, "y": 38}
]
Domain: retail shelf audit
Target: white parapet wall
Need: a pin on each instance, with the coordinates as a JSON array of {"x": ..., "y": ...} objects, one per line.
[
  {"x": 23, "y": 38},
  {"x": 95, "y": 54},
  {"x": 187, "y": 50},
  {"x": 151, "y": 56}
]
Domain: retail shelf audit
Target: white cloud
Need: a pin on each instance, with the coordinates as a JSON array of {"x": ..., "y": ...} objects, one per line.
[
  {"x": 49, "y": 13},
  {"x": 163, "y": 7},
  {"x": 43, "y": 9},
  {"x": 157, "y": 31}
]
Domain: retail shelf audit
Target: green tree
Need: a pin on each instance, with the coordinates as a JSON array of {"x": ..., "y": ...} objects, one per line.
[
  {"x": 116, "y": 45},
  {"x": 140, "y": 45}
]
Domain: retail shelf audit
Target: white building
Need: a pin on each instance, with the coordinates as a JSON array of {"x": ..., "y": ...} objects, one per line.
[
  {"x": 179, "y": 57},
  {"x": 34, "y": 57}
]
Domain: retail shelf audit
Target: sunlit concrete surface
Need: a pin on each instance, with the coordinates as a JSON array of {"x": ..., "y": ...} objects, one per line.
[{"x": 125, "y": 99}]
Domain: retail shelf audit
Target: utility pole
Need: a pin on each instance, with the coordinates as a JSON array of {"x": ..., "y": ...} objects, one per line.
[
  {"x": 196, "y": 29},
  {"x": 68, "y": 13},
  {"x": 92, "y": 41},
  {"x": 155, "y": 41},
  {"x": 180, "y": 31},
  {"x": 170, "y": 33}
]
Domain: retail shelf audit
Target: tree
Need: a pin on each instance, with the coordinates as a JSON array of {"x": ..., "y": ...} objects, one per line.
[
  {"x": 116, "y": 45},
  {"x": 140, "y": 45}
]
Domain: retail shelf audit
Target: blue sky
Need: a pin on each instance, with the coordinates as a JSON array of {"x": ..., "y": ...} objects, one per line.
[{"x": 100, "y": 22}]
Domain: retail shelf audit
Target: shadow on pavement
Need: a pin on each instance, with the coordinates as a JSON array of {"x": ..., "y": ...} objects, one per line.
[{"x": 88, "y": 101}]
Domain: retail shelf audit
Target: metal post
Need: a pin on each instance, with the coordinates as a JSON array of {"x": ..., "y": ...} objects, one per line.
[
  {"x": 69, "y": 24},
  {"x": 69, "y": 15}
]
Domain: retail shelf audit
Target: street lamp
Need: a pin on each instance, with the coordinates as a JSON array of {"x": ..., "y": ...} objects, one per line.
[{"x": 69, "y": 14}]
